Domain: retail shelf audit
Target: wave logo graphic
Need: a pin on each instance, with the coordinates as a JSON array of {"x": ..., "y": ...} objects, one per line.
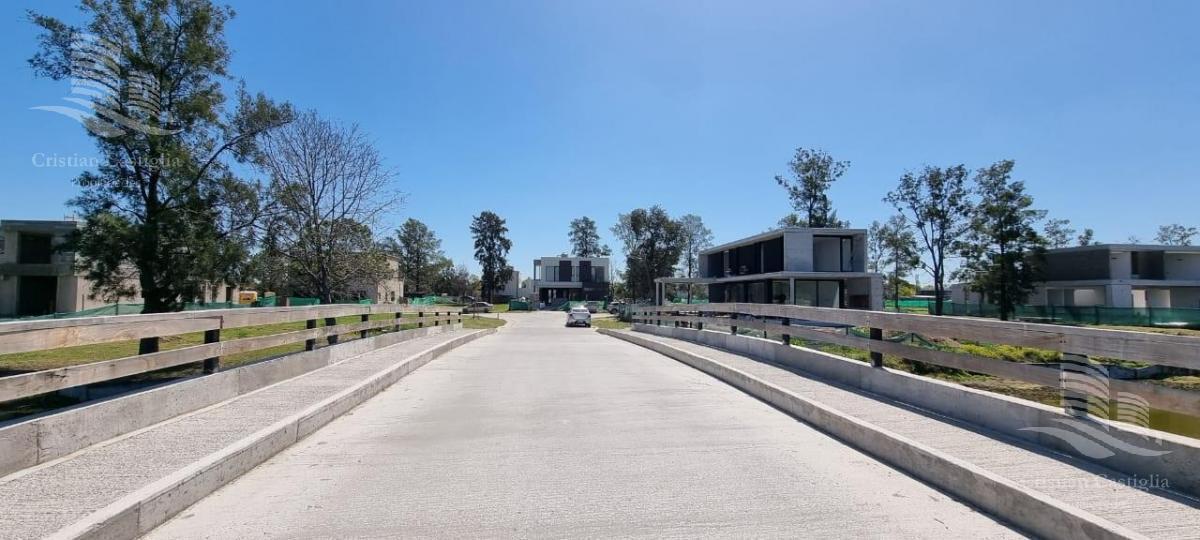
[
  {"x": 109, "y": 98},
  {"x": 1087, "y": 392}
]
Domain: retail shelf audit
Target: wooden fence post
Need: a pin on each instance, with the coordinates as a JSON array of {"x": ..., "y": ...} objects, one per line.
[
  {"x": 333, "y": 338},
  {"x": 310, "y": 344},
  {"x": 1075, "y": 375},
  {"x": 876, "y": 356},
  {"x": 212, "y": 365}
]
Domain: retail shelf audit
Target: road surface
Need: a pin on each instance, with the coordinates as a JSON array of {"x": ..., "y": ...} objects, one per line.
[{"x": 546, "y": 431}]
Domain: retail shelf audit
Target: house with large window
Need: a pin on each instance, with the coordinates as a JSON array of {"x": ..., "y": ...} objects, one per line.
[
  {"x": 1121, "y": 275},
  {"x": 561, "y": 279},
  {"x": 36, "y": 278},
  {"x": 820, "y": 267}
]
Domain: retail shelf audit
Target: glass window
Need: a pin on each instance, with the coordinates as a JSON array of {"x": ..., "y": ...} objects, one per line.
[
  {"x": 806, "y": 293},
  {"x": 757, "y": 293},
  {"x": 829, "y": 294},
  {"x": 848, "y": 254},
  {"x": 779, "y": 292}
]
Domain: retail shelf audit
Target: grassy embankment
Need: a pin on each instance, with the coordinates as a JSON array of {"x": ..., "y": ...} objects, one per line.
[{"x": 1164, "y": 420}]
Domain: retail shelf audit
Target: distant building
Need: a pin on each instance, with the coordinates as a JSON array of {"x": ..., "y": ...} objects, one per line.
[
  {"x": 820, "y": 267},
  {"x": 1118, "y": 275},
  {"x": 511, "y": 288},
  {"x": 561, "y": 279},
  {"x": 35, "y": 279},
  {"x": 388, "y": 290}
]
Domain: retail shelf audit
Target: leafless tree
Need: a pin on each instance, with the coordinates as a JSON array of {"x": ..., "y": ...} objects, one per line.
[{"x": 329, "y": 188}]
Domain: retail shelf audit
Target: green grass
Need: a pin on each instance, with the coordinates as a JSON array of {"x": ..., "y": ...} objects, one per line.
[
  {"x": 611, "y": 323},
  {"x": 69, "y": 356},
  {"x": 482, "y": 322}
]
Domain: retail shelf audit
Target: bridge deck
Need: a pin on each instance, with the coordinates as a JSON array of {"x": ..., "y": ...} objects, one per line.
[
  {"x": 1156, "y": 513},
  {"x": 545, "y": 431},
  {"x": 43, "y": 499}
]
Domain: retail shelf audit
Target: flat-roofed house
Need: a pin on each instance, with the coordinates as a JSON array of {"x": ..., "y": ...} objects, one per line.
[{"x": 822, "y": 267}]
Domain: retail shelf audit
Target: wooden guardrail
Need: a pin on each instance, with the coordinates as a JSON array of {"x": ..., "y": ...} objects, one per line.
[
  {"x": 27, "y": 336},
  {"x": 1076, "y": 343}
]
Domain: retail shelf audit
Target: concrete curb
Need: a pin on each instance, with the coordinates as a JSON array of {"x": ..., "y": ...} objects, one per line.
[
  {"x": 137, "y": 513},
  {"x": 28, "y": 443},
  {"x": 1030, "y": 510},
  {"x": 1008, "y": 416}
]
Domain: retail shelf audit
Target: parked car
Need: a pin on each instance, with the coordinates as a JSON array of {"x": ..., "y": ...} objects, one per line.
[
  {"x": 477, "y": 307},
  {"x": 616, "y": 307},
  {"x": 579, "y": 316},
  {"x": 592, "y": 306}
]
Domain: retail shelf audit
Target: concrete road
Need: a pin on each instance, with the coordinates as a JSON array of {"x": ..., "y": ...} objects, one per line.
[{"x": 550, "y": 432}]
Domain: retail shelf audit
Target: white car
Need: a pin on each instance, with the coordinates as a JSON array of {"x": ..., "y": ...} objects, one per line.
[{"x": 579, "y": 316}]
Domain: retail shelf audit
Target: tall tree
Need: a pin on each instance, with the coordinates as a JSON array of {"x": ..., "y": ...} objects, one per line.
[
  {"x": 454, "y": 280},
  {"x": 652, "y": 243},
  {"x": 329, "y": 189},
  {"x": 1058, "y": 233},
  {"x": 164, "y": 208},
  {"x": 419, "y": 251},
  {"x": 491, "y": 250},
  {"x": 1175, "y": 235},
  {"x": 899, "y": 251},
  {"x": 937, "y": 204},
  {"x": 696, "y": 238},
  {"x": 1086, "y": 238},
  {"x": 875, "y": 245},
  {"x": 1003, "y": 252},
  {"x": 585, "y": 240},
  {"x": 812, "y": 173}
]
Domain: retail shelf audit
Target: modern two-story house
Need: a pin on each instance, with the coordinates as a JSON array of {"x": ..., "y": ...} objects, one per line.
[
  {"x": 1121, "y": 275},
  {"x": 561, "y": 279},
  {"x": 804, "y": 266}
]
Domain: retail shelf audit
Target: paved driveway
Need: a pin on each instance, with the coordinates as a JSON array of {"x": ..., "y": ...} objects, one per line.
[{"x": 552, "y": 432}]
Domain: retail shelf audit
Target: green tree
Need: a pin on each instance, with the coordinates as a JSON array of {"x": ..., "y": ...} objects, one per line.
[
  {"x": 585, "y": 240},
  {"x": 899, "y": 251},
  {"x": 1003, "y": 251},
  {"x": 812, "y": 173},
  {"x": 491, "y": 250},
  {"x": 875, "y": 246},
  {"x": 329, "y": 189},
  {"x": 696, "y": 237},
  {"x": 1175, "y": 235},
  {"x": 1058, "y": 233},
  {"x": 1086, "y": 238},
  {"x": 653, "y": 243},
  {"x": 937, "y": 204},
  {"x": 419, "y": 251},
  {"x": 454, "y": 280},
  {"x": 165, "y": 208}
]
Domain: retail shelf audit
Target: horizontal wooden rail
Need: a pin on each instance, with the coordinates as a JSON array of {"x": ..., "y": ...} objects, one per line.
[
  {"x": 786, "y": 320},
  {"x": 1161, "y": 349},
  {"x": 26, "y": 336}
]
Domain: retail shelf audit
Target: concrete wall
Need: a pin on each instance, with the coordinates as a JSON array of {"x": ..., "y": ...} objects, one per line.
[
  {"x": 1002, "y": 414},
  {"x": 797, "y": 251},
  {"x": 1185, "y": 297},
  {"x": 827, "y": 254},
  {"x": 44, "y": 438},
  {"x": 1181, "y": 266}
]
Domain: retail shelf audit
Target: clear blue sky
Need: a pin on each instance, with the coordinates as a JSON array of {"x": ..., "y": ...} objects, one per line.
[{"x": 544, "y": 111}]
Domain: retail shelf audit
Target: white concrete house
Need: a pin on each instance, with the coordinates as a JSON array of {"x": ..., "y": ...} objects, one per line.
[
  {"x": 1121, "y": 275},
  {"x": 820, "y": 267},
  {"x": 558, "y": 279}
]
